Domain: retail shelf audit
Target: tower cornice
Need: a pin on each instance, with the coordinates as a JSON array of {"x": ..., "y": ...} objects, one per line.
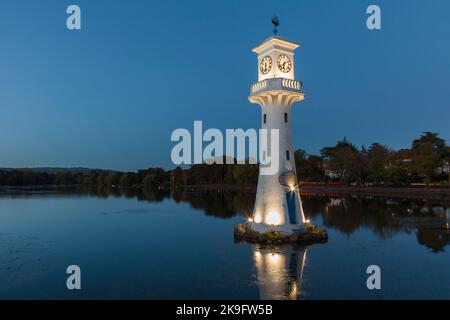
[
  {"x": 276, "y": 41},
  {"x": 271, "y": 89}
]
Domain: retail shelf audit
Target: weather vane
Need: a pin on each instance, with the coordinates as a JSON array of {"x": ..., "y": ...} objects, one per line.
[{"x": 275, "y": 23}]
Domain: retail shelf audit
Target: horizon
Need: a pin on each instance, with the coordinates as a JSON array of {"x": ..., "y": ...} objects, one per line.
[
  {"x": 109, "y": 95},
  {"x": 184, "y": 166}
]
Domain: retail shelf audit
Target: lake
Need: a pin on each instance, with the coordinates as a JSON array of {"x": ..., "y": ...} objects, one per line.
[{"x": 157, "y": 245}]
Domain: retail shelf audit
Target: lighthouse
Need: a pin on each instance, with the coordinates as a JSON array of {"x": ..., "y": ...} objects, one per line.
[{"x": 278, "y": 206}]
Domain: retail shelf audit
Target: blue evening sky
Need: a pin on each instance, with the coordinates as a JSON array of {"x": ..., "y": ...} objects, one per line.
[{"x": 110, "y": 95}]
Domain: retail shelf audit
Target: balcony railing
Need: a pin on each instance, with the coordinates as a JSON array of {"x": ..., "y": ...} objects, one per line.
[{"x": 276, "y": 84}]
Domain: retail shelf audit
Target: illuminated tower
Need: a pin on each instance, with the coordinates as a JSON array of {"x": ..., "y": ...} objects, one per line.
[{"x": 278, "y": 206}]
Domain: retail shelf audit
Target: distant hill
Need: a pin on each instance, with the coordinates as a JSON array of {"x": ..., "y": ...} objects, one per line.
[{"x": 52, "y": 170}]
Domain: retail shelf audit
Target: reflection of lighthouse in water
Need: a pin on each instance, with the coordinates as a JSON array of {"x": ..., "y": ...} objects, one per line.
[{"x": 280, "y": 271}]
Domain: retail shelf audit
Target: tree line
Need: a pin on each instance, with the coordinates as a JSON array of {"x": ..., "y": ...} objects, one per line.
[
  {"x": 427, "y": 161},
  {"x": 152, "y": 178}
]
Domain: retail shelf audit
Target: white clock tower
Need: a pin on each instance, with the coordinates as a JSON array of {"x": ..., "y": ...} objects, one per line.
[{"x": 278, "y": 206}]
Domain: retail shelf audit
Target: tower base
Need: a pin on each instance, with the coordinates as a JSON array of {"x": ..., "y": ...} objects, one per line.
[{"x": 309, "y": 235}]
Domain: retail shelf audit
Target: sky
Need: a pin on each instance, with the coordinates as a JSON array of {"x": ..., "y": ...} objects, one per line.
[{"x": 110, "y": 95}]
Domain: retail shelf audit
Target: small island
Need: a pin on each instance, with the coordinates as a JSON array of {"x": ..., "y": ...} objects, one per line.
[{"x": 308, "y": 235}]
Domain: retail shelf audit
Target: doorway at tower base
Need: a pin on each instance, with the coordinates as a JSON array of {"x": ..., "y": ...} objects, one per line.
[{"x": 309, "y": 235}]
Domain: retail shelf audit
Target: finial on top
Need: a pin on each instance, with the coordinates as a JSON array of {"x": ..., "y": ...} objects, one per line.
[{"x": 275, "y": 23}]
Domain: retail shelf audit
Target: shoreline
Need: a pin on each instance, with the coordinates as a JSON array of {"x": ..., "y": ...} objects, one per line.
[
  {"x": 431, "y": 193},
  {"x": 410, "y": 192},
  {"x": 391, "y": 192}
]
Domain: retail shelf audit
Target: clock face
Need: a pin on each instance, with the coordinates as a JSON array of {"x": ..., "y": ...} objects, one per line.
[
  {"x": 284, "y": 63},
  {"x": 265, "y": 65}
]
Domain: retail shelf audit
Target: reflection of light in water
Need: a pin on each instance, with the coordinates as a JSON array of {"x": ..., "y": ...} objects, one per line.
[
  {"x": 335, "y": 202},
  {"x": 280, "y": 271},
  {"x": 293, "y": 295},
  {"x": 274, "y": 259}
]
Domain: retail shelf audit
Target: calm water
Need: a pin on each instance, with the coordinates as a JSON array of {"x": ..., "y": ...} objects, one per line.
[{"x": 156, "y": 245}]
